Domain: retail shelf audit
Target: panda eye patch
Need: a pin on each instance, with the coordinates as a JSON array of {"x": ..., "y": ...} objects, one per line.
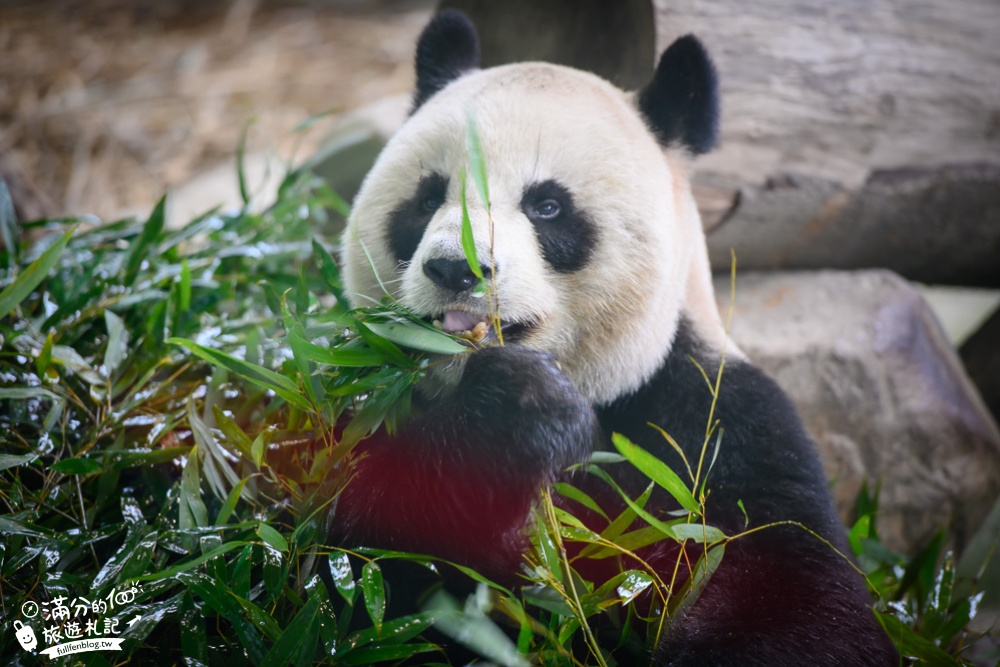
[
  {"x": 567, "y": 236},
  {"x": 410, "y": 218}
]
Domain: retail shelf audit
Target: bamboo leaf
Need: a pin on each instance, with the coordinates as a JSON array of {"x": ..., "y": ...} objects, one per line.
[
  {"x": 477, "y": 160},
  {"x": 295, "y": 641},
  {"x": 343, "y": 575},
  {"x": 417, "y": 337},
  {"x": 77, "y": 466},
  {"x": 31, "y": 277},
  {"x": 147, "y": 237},
  {"x": 258, "y": 375},
  {"x": 333, "y": 357},
  {"x": 657, "y": 471},
  {"x": 272, "y": 537},
  {"x": 117, "y": 346},
  {"x": 374, "y": 591}
]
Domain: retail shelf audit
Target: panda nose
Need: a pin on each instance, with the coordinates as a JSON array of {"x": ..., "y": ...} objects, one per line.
[{"x": 453, "y": 274}]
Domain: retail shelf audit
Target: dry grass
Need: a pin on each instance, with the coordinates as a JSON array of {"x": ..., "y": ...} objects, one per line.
[{"x": 106, "y": 103}]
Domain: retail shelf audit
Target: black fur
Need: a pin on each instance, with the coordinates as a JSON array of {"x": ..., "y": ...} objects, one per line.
[
  {"x": 781, "y": 597},
  {"x": 448, "y": 47},
  {"x": 459, "y": 480},
  {"x": 567, "y": 238},
  {"x": 681, "y": 103},
  {"x": 408, "y": 222}
]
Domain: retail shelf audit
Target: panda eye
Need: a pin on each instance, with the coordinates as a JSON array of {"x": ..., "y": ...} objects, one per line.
[
  {"x": 547, "y": 209},
  {"x": 430, "y": 204}
]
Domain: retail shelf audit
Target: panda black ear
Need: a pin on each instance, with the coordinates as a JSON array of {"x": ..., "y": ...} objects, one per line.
[
  {"x": 447, "y": 48},
  {"x": 681, "y": 103}
]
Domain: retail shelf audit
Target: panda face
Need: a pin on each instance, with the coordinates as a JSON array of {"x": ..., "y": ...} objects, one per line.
[{"x": 590, "y": 219}]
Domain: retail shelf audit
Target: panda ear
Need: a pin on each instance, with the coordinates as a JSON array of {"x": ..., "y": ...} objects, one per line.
[
  {"x": 448, "y": 47},
  {"x": 681, "y": 103}
]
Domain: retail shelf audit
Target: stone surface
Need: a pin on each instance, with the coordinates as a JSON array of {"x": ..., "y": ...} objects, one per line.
[
  {"x": 935, "y": 225},
  {"x": 981, "y": 356},
  {"x": 881, "y": 390}
]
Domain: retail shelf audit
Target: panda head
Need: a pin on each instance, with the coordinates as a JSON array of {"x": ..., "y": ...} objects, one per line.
[{"x": 595, "y": 248}]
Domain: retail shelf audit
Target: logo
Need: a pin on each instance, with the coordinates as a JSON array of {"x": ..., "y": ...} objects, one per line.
[
  {"x": 78, "y": 624},
  {"x": 25, "y": 636}
]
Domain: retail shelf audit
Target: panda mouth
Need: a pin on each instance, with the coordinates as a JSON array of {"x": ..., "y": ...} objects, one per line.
[{"x": 479, "y": 328}]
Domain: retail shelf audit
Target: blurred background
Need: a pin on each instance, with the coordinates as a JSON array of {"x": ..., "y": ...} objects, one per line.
[{"x": 104, "y": 104}]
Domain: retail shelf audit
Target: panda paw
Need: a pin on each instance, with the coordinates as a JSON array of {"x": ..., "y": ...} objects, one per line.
[{"x": 519, "y": 400}]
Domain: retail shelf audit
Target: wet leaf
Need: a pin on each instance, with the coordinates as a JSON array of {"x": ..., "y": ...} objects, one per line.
[
  {"x": 77, "y": 466},
  {"x": 31, "y": 277},
  {"x": 374, "y": 592}
]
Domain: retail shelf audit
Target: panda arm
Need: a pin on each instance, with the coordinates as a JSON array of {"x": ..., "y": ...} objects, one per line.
[{"x": 459, "y": 478}]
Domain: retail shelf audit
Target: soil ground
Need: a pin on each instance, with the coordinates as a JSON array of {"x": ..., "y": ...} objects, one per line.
[{"x": 105, "y": 104}]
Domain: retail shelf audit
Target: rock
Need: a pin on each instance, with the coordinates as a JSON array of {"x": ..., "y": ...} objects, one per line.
[
  {"x": 939, "y": 225},
  {"x": 981, "y": 356},
  {"x": 882, "y": 392}
]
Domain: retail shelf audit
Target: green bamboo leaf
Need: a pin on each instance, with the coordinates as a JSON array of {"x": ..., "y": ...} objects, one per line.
[
  {"x": 44, "y": 359},
  {"x": 31, "y": 277},
  {"x": 12, "y": 460},
  {"x": 193, "y": 513},
  {"x": 229, "y": 506},
  {"x": 221, "y": 599},
  {"x": 343, "y": 575},
  {"x": 695, "y": 531},
  {"x": 572, "y": 493},
  {"x": 194, "y": 638},
  {"x": 22, "y": 393},
  {"x": 332, "y": 357},
  {"x": 475, "y": 630},
  {"x": 477, "y": 160},
  {"x": 665, "y": 527},
  {"x": 396, "y": 631},
  {"x": 374, "y": 591},
  {"x": 417, "y": 337},
  {"x": 117, "y": 347},
  {"x": 298, "y": 641},
  {"x": 184, "y": 287},
  {"x": 272, "y": 537},
  {"x": 258, "y": 375},
  {"x": 77, "y": 466},
  {"x": 383, "y": 653},
  {"x": 703, "y": 570},
  {"x": 468, "y": 240},
  {"x": 330, "y": 271},
  {"x": 656, "y": 470},
  {"x": 235, "y": 436},
  {"x": 147, "y": 237},
  {"x": 240, "y": 168},
  {"x": 194, "y": 563}
]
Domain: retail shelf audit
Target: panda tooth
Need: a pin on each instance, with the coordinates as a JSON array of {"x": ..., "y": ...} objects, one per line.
[{"x": 437, "y": 325}]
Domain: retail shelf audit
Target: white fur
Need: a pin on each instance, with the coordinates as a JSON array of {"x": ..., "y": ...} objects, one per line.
[{"x": 610, "y": 323}]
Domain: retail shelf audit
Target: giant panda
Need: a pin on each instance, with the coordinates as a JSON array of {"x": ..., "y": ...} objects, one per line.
[{"x": 597, "y": 259}]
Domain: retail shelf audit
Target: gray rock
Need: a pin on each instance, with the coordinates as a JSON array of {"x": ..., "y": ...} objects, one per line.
[
  {"x": 981, "y": 356},
  {"x": 934, "y": 225},
  {"x": 882, "y": 392}
]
